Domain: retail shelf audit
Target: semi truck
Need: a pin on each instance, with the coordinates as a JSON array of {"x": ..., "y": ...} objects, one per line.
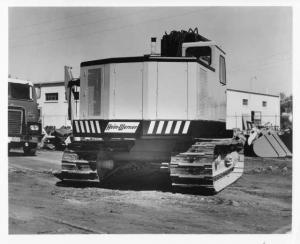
[
  {"x": 167, "y": 108},
  {"x": 24, "y": 128}
]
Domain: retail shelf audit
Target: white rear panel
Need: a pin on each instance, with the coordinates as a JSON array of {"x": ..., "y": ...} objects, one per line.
[
  {"x": 149, "y": 90},
  {"x": 192, "y": 87},
  {"x": 94, "y": 91},
  {"x": 127, "y": 80},
  {"x": 202, "y": 95},
  {"x": 94, "y": 86},
  {"x": 172, "y": 90},
  {"x": 154, "y": 90}
]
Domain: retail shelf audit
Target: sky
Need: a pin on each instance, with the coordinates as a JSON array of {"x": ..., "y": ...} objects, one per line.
[{"x": 257, "y": 40}]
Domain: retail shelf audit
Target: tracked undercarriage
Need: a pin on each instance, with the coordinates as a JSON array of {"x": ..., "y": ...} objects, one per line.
[{"x": 209, "y": 164}]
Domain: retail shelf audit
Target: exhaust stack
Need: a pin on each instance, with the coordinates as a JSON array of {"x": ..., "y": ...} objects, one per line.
[{"x": 153, "y": 46}]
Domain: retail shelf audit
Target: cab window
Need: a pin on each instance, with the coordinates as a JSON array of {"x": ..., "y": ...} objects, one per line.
[
  {"x": 202, "y": 53},
  {"x": 222, "y": 70}
]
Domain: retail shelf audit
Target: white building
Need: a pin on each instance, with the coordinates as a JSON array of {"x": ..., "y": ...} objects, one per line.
[
  {"x": 244, "y": 107},
  {"x": 53, "y": 104}
]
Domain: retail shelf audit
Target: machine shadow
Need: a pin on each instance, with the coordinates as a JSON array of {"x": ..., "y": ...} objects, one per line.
[
  {"x": 18, "y": 154},
  {"x": 161, "y": 183}
]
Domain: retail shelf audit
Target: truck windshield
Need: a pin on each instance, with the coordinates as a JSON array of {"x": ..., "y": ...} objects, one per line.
[{"x": 19, "y": 91}]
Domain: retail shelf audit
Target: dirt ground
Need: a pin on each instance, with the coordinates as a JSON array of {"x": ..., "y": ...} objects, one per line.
[{"x": 140, "y": 200}]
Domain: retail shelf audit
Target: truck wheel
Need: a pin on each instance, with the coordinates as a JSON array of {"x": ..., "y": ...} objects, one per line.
[{"x": 29, "y": 151}]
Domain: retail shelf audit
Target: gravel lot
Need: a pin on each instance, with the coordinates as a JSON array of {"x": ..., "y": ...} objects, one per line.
[{"x": 140, "y": 200}]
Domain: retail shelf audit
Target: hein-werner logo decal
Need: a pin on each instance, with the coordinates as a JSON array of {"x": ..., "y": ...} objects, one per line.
[{"x": 121, "y": 127}]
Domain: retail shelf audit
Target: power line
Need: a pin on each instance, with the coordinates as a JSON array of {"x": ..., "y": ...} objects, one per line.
[{"x": 109, "y": 29}]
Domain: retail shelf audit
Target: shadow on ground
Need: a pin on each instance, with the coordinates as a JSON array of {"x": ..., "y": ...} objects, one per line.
[
  {"x": 159, "y": 182},
  {"x": 19, "y": 154},
  {"x": 16, "y": 154}
]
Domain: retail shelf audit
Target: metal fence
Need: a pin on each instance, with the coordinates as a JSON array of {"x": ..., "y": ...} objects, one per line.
[{"x": 246, "y": 122}]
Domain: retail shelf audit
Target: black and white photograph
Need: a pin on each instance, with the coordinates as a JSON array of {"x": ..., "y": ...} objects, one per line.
[{"x": 150, "y": 120}]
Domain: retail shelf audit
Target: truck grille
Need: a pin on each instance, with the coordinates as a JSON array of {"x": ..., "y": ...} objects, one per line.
[{"x": 14, "y": 121}]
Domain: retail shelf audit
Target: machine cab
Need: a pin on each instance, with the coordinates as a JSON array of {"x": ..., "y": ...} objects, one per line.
[{"x": 208, "y": 53}]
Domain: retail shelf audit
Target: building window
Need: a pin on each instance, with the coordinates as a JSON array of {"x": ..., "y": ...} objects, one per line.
[
  {"x": 264, "y": 104},
  {"x": 52, "y": 96},
  {"x": 245, "y": 102}
]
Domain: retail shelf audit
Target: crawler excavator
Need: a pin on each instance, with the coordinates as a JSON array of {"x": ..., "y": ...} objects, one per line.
[{"x": 167, "y": 108}]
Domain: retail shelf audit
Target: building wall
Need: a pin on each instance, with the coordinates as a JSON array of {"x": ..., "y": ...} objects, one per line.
[
  {"x": 54, "y": 113},
  {"x": 236, "y": 110}
]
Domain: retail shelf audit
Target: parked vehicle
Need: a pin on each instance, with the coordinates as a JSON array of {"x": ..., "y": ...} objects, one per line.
[{"x": 24, "y": 128}]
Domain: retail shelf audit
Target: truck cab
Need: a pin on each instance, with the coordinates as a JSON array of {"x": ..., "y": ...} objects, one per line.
[{"x": 24, "y": 127}]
